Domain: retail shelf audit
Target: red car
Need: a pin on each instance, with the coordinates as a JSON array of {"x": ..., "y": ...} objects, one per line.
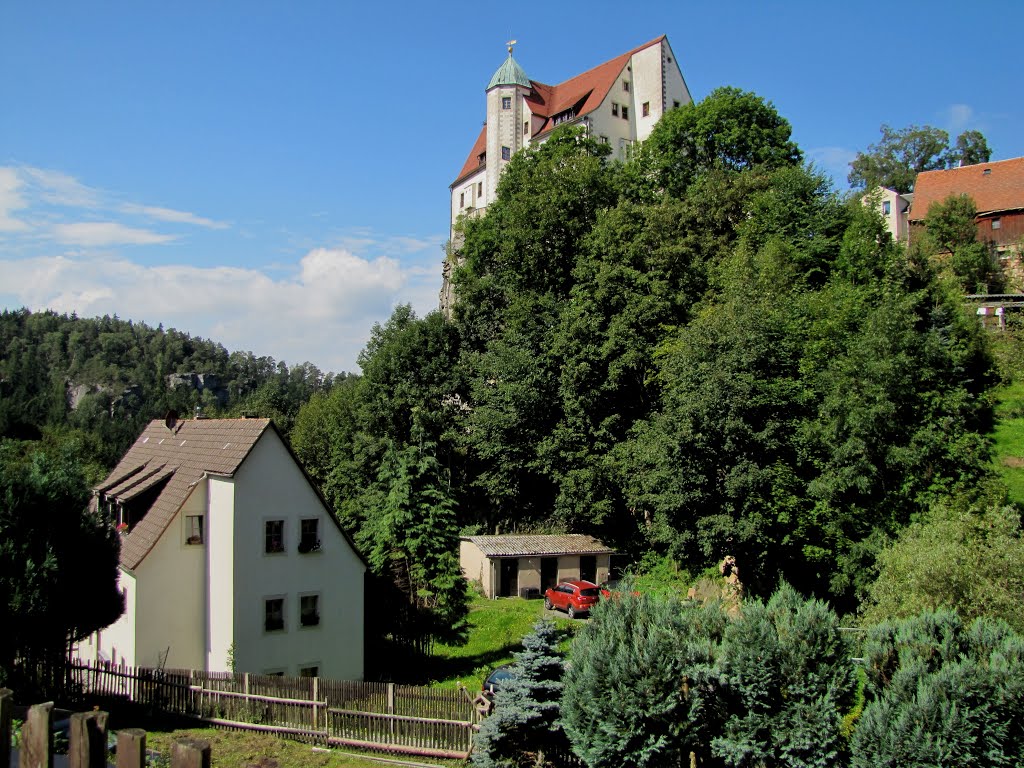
[{"x": 573, "y": 597}]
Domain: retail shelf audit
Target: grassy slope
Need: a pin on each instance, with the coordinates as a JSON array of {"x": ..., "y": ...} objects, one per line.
[
  {"x": 1008, "y": 439},
  {"x": 497, "y": 628},
  {"x": 238, "y": 749}
]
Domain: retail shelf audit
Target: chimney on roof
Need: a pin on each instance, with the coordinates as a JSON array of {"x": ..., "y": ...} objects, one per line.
[{"x": 199, "y": 412}]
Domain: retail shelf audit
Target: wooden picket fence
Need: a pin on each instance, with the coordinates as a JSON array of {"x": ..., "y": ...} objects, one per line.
[
  {"x": 87, "y": 741},
  {"x": 416, "y": 720}
]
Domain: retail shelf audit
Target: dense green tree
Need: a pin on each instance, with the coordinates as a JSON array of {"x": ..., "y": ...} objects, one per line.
[
  {"x": 411, "y": 539},
  {"x": 952, "y": 233},
  {"x": 789, "y": 683},
  {"x": 58, "y": 561},
  {"x": 641, "y": 688},
  {"x": 900, "y": 155},
  {"x": 524, "y": 729},
  {"x": 942, "y": 693},
  {"x": 729, "y": 130},
  {"x": 970, "y": 560}
]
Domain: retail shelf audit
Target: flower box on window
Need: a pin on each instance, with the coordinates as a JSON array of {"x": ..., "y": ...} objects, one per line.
[
  {"x": 310, "y": 619},
  {"x": 309, "y": 545},
  {"x": 273, "y": 624}
]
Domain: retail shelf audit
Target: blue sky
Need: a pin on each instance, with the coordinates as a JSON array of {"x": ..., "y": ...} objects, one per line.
[{"x": 275, "y": 175}]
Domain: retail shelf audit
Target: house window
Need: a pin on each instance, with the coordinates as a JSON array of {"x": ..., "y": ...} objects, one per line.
[
  {"x": 193, "y": 529},
  {"x": 506, "y": 102},
  {"x": 273, "y": 536},
  {"x": 886, "y": 207},
  {"x": 997, "y": 223},
  {"x": 615, "y": 109},
  {"x": 647, "y": 109},
  {"x": 675, "y": 104},
  {"x": 309, "y": 670},
  {"x": 479, "y": 189},
  {"x": 506, "y": 153},
  {"x": 604, "y": 139},
  {"x": 273, "y": 614},
  {"x": 625, "y": 112},
  {"x": 526, "y": 127},
  {"x": 462, "y": 200},
  {"x": 309, "y": 610},
  {"x": 309, "y": 535},
  {"x": 625, "y": 85}
]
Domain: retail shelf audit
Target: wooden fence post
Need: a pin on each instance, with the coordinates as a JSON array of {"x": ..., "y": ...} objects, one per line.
[
  {"x": 131, "y": 748},
  {"x": 87, "y": 742},
  {"x": 190, "y": 753},
  {"x": 316, "y": 697},
  {"x": 6, "y": 718},
  {"x": 37, "y": 737}
]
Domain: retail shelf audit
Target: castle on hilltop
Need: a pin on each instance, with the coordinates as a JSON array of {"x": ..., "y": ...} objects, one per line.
[{"x": 617, "y": 102}]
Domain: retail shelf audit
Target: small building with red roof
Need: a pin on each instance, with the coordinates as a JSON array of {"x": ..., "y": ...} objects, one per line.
[{"x": 997, "y": 189}]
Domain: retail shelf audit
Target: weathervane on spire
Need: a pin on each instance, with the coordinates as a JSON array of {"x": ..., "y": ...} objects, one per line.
[{"x": 511, "y": 43}]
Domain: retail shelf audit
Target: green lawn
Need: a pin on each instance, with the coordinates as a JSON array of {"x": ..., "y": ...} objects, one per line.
[
  {"x": 238, "y": 749},
  {"x": 496, "y": 630},
  {"x": 1008, "y": 439}
]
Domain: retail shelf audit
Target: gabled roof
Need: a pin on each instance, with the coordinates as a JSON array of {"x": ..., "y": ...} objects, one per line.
[
  {"x": 526, "y": 545},
  {"x": 473, "y": 164},
  {"x": 588, "y": 90},
  {"x": 997, "y": 186}
]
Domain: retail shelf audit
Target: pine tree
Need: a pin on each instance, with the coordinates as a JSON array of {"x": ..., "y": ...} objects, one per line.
[
  {"x": 414, "y": 541},
  {"x": 524, "y": 729}
]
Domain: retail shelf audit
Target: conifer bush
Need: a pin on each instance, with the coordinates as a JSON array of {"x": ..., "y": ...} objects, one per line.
[{"x": 942, "y": 694}]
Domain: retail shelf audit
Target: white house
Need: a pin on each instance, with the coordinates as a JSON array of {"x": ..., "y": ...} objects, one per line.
[
  {"x": 229, "y": 556},
  {"x": 894, "y": 208}
]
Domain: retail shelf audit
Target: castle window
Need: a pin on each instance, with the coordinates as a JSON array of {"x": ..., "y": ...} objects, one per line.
[
  {"x": 625, "y": 112},
  {"x": 675, "y": 104},
  {"x": 604, "y": 139},
  {"x": 647, "y": 108},
  {"x": 479, "y": 189},
  {"x": 462, "y": 200},
  {"x": 526, "y": 127},
  {"x": 506, "y": 102},
  {"x": 615, "y": 109},
  {"x": 625, "y": 85},
  {"x": 506, "y": 153}
]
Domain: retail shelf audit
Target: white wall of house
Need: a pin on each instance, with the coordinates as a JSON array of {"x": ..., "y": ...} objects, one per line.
[
  {"x": 270, "y": 486},
  {"x": 170, "y": 610},
  {"x": 115, "y": 643},
  {"x": 219, "y": 634}
]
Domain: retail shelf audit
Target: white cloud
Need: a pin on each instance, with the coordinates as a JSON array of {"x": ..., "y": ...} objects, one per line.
[
  {"x": 322, "y": 311},
  {"x": 105, "y": 233},
  {"x": 835, "y": 161},
  {"x": 60, "y": 188},
  {"x": 171, "y": 215},
  {"x": 11, "y": 200},
  {"x": 959, "y": 117}
]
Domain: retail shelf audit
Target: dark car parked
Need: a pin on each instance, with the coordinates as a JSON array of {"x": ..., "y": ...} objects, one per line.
[{"x": 573, "y": 597}]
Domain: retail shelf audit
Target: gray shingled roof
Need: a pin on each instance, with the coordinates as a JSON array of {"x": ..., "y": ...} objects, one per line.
[
  {"x": 526, "y": 545},
  {"x": 187, "y": 452}
]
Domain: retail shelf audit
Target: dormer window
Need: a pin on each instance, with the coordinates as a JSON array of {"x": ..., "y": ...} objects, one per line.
[{"x": 481, "y": 158}]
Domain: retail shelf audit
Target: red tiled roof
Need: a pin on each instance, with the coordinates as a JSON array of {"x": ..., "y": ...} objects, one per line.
[
  {"x": 997, "y": 186},
  {"x": 590, "y": 88},
  {"x": 516, "y": 545},
  {"x": 473, "y": 164}
]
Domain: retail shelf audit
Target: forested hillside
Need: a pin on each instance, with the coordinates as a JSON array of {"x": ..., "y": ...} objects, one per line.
[
  {"x": 105, "y": 378},
  {"x": 703, "y": 351}
]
